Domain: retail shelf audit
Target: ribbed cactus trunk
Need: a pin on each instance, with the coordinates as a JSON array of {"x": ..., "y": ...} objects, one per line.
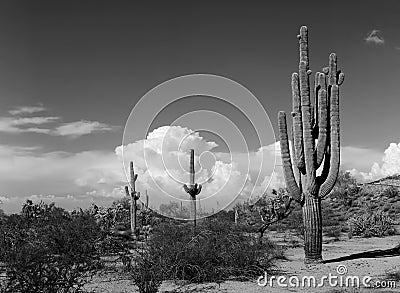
[
  {"x": 134, "y": 197},
  {"x": 312, "y": 121},
  {"x": 192, "y": 196},
  {"x": 312, "y": 221},
  {"x": 193, "y": 189}
]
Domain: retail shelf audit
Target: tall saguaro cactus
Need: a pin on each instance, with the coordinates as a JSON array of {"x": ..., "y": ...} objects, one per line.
[
  {"x": 193, "y": 189},
  {"x": 317, "y": 120},
  {"x": 134, "y": 198}
]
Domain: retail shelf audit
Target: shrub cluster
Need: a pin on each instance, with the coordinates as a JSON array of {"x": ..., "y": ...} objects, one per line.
[
  {"x": 215, "y": 251},
  {"x": 46, "y": 249},
  {"x": 370, "y": 224}
]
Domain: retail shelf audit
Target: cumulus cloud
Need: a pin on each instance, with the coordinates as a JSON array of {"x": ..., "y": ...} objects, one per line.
[
  {"x": 390, "y": 165},
  {"x": 162, "y": 161},
  {"x": 375, "y": 37},
  {"x": 4, "y": 199},
  {"x": 27, "y": 171}
]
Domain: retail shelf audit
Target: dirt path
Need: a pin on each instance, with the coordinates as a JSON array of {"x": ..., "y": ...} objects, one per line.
[{"x": 294, "y": 268}]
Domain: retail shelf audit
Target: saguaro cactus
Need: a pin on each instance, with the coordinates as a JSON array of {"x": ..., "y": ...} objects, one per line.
[
  {"x": 318, "y": 121},
  {"x": 134, "y": 198},
  {"x": 193, "y": 189}
]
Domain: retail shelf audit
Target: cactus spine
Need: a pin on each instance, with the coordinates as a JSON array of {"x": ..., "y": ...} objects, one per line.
[
  {"x": 193, "y": 189},
  {"x": 134, "y": 198},
  {"x": 318, "y": 121}
]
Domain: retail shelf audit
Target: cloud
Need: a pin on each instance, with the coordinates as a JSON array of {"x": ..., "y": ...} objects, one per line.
[
  {"x": 375, "y": 37},
  {"x": 27, "y": 110},
  {"x": 27, "y": 171},
  {"x": 72, "y": 129},
  {"x": 4, "y": 199},
  {"x": 390, "y": 165},
  {"x": 34, "y": 120},
  {"x": 16, "y": 125},
  {"x": 162, "y": 160},
  {"x": 79, "y": 128}
]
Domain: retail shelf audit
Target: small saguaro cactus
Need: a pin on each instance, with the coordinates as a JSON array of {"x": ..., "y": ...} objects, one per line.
[
  {"x": 193, "y": 189},
  {"x": 134, "y": 198},
  {"x": 147, "y": 200},
  {"x": 318, "y": 121}
]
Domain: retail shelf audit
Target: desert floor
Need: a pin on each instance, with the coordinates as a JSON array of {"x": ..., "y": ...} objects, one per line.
[{"x": 378, "y": 269}]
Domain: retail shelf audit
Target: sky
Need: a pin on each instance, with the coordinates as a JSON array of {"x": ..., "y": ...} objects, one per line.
[{"x": 87, "y": 86}]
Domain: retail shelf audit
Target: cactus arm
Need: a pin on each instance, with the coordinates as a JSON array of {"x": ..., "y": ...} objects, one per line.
[
  {"x": 297, "y": 125},
  {"x": 296, "y": 171},
  {"x": 314, "y": 110},
  {"x": 303, "y": 40},
  {"x": 325, "y": 169},
  {"x": 340, "y": 78},
  {"x": 332, "y": 74},
  {"x": 186, "y": 188},
  {"x": 322, "y": 128},
  {"x": 309, "y": 143},
  {"x": 199, "y": 189},
  {"x": 308, "y": 140},
  {"x": 133, "y": 177},
  {"x": 286, "y": 161},
  {"x": 327, "y": 186}
]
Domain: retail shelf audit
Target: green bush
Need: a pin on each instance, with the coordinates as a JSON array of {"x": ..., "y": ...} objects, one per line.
[{"x": 370, "y": 224}]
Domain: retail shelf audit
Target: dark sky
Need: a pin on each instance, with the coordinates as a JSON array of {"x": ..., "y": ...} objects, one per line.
[{"x": 93, "y": 60}]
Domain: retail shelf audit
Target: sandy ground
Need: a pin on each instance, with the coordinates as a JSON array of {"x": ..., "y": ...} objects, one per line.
[{"x": 295, "y": 269}]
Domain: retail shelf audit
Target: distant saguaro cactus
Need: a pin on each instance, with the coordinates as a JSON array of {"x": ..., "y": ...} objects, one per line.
[
  {"x": 310, "y": 122},
  {"x": 193, "y": 189},
  {"x": 134, "y": 198}
]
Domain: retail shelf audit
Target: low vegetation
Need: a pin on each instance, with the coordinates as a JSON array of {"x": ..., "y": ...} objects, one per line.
[{"x": 47, "y": 249}]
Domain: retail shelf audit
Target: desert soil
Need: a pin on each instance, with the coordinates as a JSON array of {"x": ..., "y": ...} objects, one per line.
[{"x": 293, "y": 265}]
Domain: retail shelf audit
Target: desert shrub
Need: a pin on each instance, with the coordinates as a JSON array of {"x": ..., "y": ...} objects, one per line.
[
  {"x": 329, "y": 220},
  {"x": 46, "y": 249},
  {"x": 267, "y": 211},
  {"x": 386, "y": 207},
  {"x": 345, "y": 189},
  {"x": 391, "y": 192},
  {"x": 333, "y": 231},
  {"x": 215, "y": 251},
  {"x": 393, "y": 275},
  {"x": 295, "y": 222},
  {"x": 114, "y": 222},
  {"x": 147, "y": 273},
  {"x": 369, "y": 224}
]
